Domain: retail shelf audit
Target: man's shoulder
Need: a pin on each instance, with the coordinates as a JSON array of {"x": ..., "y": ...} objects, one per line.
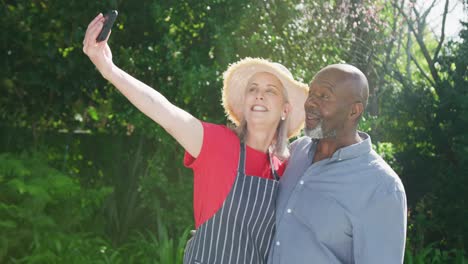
[
  {"x": 300, "y": 146},
  {"x": 387, "y": 179},
  {"x": 301, "y": 140}
]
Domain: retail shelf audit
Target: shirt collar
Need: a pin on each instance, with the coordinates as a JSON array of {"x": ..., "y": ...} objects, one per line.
[{"x": 348, "y": 152}]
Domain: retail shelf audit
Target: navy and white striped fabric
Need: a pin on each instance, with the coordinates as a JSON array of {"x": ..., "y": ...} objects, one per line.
[{"x": 242, "y": 229}]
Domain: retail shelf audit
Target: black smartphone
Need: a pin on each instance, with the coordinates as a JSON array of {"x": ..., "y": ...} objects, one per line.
[{"x": 109, "y": 21}]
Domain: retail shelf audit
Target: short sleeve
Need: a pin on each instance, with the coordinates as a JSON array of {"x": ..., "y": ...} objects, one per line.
[{"x": 214, "y": 136}]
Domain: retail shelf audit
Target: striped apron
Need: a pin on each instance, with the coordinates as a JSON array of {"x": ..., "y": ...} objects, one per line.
[{"x": 242, "y": 229}]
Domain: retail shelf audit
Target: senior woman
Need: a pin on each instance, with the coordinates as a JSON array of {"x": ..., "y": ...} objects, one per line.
[{"x": 235, "y": 170}]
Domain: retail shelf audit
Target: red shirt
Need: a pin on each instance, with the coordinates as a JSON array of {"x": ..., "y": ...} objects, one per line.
[{"x": 215, "y": 169}]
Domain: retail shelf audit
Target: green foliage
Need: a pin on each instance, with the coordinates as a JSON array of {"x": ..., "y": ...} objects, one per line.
[
  {"x": 427, "y": 127},
  {"x": 46, "y": 217},
  {"x": 154, "y": 247},
  {"x": 41, "y": 206},
  {"x": 432, "y": 254}
]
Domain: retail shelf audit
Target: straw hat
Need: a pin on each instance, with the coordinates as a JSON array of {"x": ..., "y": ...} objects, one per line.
[{"x": 235, "y": 83}]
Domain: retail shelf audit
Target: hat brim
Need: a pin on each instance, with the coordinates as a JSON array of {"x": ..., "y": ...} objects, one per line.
[{"x": 235, "y": 83}]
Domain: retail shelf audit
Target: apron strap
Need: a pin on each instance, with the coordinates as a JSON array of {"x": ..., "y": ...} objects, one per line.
[
  {"x": 273, "y": 171},
  {"x": 241, "y": 166}
]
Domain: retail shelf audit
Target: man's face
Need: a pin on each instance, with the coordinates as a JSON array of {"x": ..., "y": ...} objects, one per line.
[{"x": 325, "y": 109}]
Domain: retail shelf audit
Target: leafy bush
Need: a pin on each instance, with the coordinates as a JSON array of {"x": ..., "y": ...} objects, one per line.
[
  {"x": 431, "y": 254},
  {"x": 44, "y": 212},
  {"x": 158, "y": 247}
]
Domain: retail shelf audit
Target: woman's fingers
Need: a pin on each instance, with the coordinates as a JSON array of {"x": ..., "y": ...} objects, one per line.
[
  {"x": 92, "y": 24},
  {"x": 90, "y": 39},
  {"x": 96, "y": 23},
  {"x": 95, "y": 20},
  {"x": 94, "y": 32}
]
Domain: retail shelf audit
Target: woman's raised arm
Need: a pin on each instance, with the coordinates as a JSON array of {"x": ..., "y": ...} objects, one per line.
[{"x": 185, "y": 128}]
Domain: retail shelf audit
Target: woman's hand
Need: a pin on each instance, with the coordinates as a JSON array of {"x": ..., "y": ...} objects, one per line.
[{"x": 98, "y": 52}]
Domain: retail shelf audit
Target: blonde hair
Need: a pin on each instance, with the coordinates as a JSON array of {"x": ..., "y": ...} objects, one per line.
[{"x": 279, "y": 146}]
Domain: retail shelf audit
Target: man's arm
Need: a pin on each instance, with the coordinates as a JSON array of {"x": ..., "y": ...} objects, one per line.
[{"x": 381, "y": 233}]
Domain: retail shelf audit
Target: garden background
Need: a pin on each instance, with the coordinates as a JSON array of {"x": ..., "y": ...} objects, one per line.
[{"x": 86, "y": 178}]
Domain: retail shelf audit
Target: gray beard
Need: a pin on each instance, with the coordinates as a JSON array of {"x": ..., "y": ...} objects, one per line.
[
  {"x": 317, "y": 132},
  {"x": 314, "y": 133}
]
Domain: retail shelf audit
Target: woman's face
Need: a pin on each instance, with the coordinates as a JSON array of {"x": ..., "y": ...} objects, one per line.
[{"x": 264, "y": 101}]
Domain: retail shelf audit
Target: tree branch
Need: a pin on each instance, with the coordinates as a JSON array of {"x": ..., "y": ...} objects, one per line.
[
  {"x": 442, "y": 36},
  {"x": 422, "y": 46},
  {"x": 421, "y": 70},
  {"x": 426, "y": 12},
  {"x": 409, "y": 55}
]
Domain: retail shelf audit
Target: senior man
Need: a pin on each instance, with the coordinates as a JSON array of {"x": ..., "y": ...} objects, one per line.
[{"x": 339, "y": 201}]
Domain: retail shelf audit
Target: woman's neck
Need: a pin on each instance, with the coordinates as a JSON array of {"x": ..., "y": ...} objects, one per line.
[{"x": 259, "y": 139}]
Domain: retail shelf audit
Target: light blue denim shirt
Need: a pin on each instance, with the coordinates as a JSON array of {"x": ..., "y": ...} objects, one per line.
[{"x": 350, "y": 208}]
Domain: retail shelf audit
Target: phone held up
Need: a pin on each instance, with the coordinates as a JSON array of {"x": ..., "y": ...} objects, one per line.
[{"x": 109, "y": 21}]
